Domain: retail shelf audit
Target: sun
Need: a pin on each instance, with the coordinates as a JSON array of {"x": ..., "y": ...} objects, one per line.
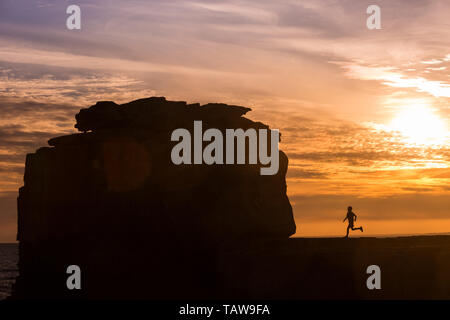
[{"x": 419, "y": 124}]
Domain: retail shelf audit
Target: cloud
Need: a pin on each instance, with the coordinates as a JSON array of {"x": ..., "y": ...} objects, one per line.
[
  {"x": 250, "y": 12},
  {"x": 434, "y": 61},
  {"x": 55, "y": 89},
  {"x": 355, "y": 158},
  {"x": 392, "y": 78},
  {"x": 294, "y": 173}
]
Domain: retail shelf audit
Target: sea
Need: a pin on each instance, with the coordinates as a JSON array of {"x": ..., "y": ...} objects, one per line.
[{"x": 9, "y": 257}]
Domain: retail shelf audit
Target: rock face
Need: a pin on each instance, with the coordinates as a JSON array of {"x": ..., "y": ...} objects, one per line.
[{"x": 111, "y": 201}]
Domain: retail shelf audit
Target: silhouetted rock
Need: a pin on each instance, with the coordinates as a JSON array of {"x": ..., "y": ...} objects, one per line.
[{"x": 111, "y": 201}]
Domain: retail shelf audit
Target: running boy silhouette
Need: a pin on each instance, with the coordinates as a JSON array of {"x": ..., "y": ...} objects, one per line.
[{"x": 351, "y": 217}]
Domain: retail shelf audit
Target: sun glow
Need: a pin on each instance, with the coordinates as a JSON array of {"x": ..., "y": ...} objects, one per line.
[{"x": 419, "y": 124}]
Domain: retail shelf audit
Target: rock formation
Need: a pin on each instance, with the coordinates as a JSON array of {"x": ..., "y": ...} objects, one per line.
[{"x": 110, "y": 200}]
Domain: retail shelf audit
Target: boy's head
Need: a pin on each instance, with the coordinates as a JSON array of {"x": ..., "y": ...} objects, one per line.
[{"x": 349, "y": 209}]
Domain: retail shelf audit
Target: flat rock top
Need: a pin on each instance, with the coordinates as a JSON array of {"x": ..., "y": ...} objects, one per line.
[
  {"x": 152, "y": 115},
  {"x": 148, "y": 112}
]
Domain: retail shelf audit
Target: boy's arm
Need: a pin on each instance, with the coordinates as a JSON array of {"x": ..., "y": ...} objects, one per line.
[{"x": 345, "y": 219}]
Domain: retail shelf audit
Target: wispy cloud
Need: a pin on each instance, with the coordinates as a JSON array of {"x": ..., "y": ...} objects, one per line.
[
  {"x": 68, "y": 87},
  {"x": 393, "y": 77}
]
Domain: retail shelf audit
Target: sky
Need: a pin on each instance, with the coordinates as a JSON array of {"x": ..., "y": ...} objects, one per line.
[{"x": 364, "y": 114}]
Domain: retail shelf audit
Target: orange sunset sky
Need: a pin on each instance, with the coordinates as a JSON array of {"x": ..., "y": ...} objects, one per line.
[{"x": 364, "y": 114}]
